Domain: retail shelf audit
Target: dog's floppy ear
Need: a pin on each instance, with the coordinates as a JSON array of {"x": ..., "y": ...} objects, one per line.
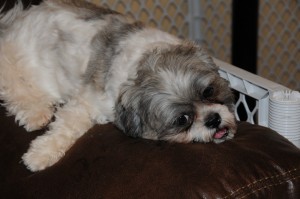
[{"x": 128, "y": 120}]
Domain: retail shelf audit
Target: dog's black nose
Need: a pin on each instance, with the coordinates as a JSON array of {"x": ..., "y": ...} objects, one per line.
[{"x": 213, "y": 121}]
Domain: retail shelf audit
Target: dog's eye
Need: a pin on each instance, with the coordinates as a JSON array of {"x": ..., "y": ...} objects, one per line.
[
  {"x": 183, "y": 120},
  {"x": 208, "y": 92}
]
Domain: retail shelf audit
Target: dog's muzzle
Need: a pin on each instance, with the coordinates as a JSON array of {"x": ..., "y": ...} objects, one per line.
[{"x": 213, "y": 122}]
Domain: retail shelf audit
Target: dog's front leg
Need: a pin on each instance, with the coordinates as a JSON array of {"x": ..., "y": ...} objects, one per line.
[{"x": 72, "y": 121}]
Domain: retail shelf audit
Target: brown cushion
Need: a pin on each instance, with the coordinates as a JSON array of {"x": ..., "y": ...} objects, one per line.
[{"x": 104, "y": 163}]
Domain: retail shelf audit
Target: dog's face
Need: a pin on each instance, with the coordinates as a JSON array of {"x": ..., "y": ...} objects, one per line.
[{"x": 177, "y": 95}]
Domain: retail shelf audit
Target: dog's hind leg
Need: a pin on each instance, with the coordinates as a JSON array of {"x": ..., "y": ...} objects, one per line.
[{"x": 72, "y": 121}]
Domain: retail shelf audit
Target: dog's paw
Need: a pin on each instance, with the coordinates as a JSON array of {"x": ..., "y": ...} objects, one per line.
[
  {"x": 35, "y": 119},
  {"x": 41, "y": 154}
]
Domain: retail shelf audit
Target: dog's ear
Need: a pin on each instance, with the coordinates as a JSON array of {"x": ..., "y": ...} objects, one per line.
[
  {"x": 206, "y": 58},
  {"x": 129, "y": 121}
]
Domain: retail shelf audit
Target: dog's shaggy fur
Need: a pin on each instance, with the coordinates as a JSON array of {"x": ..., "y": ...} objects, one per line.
[{"x": 83, "y": 65}]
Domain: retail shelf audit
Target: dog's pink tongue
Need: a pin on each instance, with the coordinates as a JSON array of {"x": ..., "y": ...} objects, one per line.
[{"x": 220, "y": 133}]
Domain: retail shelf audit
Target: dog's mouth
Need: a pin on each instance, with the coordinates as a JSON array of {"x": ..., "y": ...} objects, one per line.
[{"x": 221, "y": 133}]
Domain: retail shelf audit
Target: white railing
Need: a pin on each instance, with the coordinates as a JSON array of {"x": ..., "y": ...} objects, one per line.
[{"x": 254, "y": 86}]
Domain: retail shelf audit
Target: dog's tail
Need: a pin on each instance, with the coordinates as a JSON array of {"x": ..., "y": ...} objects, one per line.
[{"x": 8, "y": 17}]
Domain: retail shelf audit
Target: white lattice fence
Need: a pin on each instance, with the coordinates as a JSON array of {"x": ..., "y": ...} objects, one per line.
[{"x": 247, "y": 84}]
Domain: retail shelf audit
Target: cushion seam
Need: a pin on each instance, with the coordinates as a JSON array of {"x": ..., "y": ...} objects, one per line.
[{"x": 289, "y": 175}]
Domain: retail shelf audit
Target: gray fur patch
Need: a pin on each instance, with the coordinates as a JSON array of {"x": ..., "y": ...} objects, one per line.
[
  {"x": 2, "y": 28},
  {"x": 105, "y": 46}
]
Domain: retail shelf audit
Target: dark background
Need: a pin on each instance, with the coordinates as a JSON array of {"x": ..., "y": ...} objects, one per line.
[{"x": 10, "y": 3}]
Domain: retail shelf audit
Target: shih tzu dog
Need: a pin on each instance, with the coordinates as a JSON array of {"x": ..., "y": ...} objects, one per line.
[{"x": 85, "y": 65}]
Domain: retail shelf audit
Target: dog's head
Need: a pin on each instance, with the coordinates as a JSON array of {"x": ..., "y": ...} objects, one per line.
[{"x": 177, "y": 95}]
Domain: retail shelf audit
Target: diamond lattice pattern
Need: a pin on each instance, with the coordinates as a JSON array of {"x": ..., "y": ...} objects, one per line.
[
  {"x": 279, "y": 42},
  {"x": 169, "y": 16}
]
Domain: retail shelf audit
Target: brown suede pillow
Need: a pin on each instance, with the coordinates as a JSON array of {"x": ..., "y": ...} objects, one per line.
[{"x": 104, "y": 163}]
